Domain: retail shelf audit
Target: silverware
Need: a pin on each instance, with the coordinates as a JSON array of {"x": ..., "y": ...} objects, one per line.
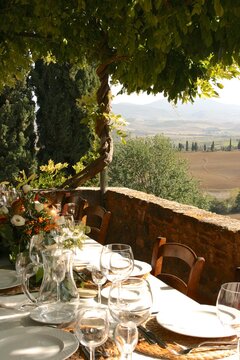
[
  {"x": 209, "y": 345},
  {"x": 151, "y": 337},
  {"x": 85, "y": 352},
  {"x": 100, "y": 352}
]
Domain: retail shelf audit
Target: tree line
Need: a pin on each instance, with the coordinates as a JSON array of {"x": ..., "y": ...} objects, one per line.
[{"x": 195, "y": 146}]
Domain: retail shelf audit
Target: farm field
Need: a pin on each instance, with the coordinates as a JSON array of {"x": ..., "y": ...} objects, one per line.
[{"x": 218, "y": 172}]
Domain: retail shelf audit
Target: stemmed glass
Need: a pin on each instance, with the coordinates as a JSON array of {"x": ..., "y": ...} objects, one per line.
[
  {"x": 228, "y": 308},
  {"x": 92, "y": 327},
  {"x": 35, "y": 249},
  {"x": 22, "y": 263},
  {"x": 126, "y": 338},
  {"x": 69, "y": 222},
  {"x": 71, "y": 208},
  {"x": 117, "y": 262},
  {"x": 22, "y": 260},
  {"x": 132, "y": 301},
  {"x": 58, "y": 273},
  {"x": 99, "y": 279}
]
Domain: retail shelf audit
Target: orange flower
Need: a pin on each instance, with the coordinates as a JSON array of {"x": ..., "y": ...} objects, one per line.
[{"x": 49, "y": 227}]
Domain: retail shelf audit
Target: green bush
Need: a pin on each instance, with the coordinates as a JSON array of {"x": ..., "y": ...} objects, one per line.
[{"x": 150, "y": 164}]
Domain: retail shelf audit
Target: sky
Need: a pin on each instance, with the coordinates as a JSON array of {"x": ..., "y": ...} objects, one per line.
[{"x": 230, "y": 94}]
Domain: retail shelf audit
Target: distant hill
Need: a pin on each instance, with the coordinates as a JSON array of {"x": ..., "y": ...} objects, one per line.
[{"x": 204, "y": 118}]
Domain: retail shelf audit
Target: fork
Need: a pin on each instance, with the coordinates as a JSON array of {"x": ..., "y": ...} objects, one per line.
[
  {"x": 153, "y": 339},
  {"x": 218, "y": 345}
]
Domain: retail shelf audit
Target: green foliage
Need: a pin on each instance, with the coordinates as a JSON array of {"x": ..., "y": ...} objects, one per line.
[
  {"x": 237, "y": 202},
  {"x": 151, "y": 165},
  {"x": 62, "y": 136},
  {"x": 156, "y": 46},
  {"x": 48, "y": 176},
  {"x": 17, "y": 137},
  {"x": 223, "y": 207}
]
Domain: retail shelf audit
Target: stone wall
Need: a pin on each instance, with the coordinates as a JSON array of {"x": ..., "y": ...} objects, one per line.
[{"x": 138, "y": 218}]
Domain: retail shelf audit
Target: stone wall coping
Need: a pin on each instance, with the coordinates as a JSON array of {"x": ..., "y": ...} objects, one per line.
[{"x": 222, "y": 221}]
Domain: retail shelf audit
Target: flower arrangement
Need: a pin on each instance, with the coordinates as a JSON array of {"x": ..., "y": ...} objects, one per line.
[
  {"x": 26, "y": 216},
  {"x": 31, "y": 214}
]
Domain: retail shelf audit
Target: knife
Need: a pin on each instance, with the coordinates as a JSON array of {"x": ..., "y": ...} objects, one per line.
[
  {"x": 145, "y": 336},
  {"x": 85, "y": 352},
  {"x": 149, "y": 335}
]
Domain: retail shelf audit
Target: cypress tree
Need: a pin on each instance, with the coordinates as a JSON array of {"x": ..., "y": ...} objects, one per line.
[
  {"x": 62, "y": 136},
  {"x": 17, "y": 135}
]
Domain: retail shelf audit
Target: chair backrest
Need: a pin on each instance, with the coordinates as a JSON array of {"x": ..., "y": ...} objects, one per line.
[
  {"x": 97, "y": 218},
  {"x": 195, "y": 264},
  {"x": 70, "y": 197}
]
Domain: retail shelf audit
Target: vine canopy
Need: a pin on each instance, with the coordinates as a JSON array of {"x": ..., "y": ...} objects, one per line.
[
  {"x": 150, "y": 45},
  {"x": 178, "y": 47}
]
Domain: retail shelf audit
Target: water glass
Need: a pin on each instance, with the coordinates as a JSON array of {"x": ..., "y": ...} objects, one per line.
[
  {"x": 131, "y": 301},
  {"x": 126, "y": 339},
  {"x": 117, "y": 262},
  {"x": 71, "y": 209},
  {"x": 92, "y": 327},
  {"x": 58, "y": 273},
  {"x": 228, "y": 308},
  {"x": 22, "y": 260},
  {"x": 99, "y": 279}
]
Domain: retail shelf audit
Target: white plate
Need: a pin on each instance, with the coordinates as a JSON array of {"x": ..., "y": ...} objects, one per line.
[
  {"x": 140, "y": 268},
  {"x": 48, "y": 314},
  {"x": 125, "y": 295},
  {"x": 201, "y": 321},
  {"x": 87, "y": 293},
  {"x": 36, "y": 343},
  {"x": 105, "y": 292},
  {"x": 8, "y": 279},
  {"x": 11, "y": 314}
]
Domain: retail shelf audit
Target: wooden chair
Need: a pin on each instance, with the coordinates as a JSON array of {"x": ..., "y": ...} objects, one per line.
[
  {"x": 97, "y": 218},
  {"x": 184, "y": 253},
  {"x": 73, "y": 197}
]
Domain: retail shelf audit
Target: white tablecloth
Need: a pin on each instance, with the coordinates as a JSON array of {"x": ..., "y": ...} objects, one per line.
[{"x": 164, "y": 297}]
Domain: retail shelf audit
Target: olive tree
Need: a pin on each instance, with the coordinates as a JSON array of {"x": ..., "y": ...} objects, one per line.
[
  {"x": 150, "y": 164},
  {"x": 180, "y": 48}
]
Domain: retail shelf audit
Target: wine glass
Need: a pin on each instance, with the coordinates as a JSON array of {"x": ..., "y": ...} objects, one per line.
[
  {"x": 71, "y": 208},
  {"x": 69, "y": 222},
  {"x": 132, "y": 301},
  {"x": 126, "y": 338},
  {"x": 92, "y": 327},
  {"x": 58, "y": 273},
  {"x": 22, "y": 264},
  {"x": 228, "y": 308},
  {"x": 35, "y": 249},
  {"x": 22, "y": 260},
  {"x": 117, "y": 261},
  {"x": 99, "y": 279}
]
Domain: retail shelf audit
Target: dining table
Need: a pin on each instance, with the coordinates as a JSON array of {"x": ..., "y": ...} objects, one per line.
[{"x": 175, "y": 318}]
